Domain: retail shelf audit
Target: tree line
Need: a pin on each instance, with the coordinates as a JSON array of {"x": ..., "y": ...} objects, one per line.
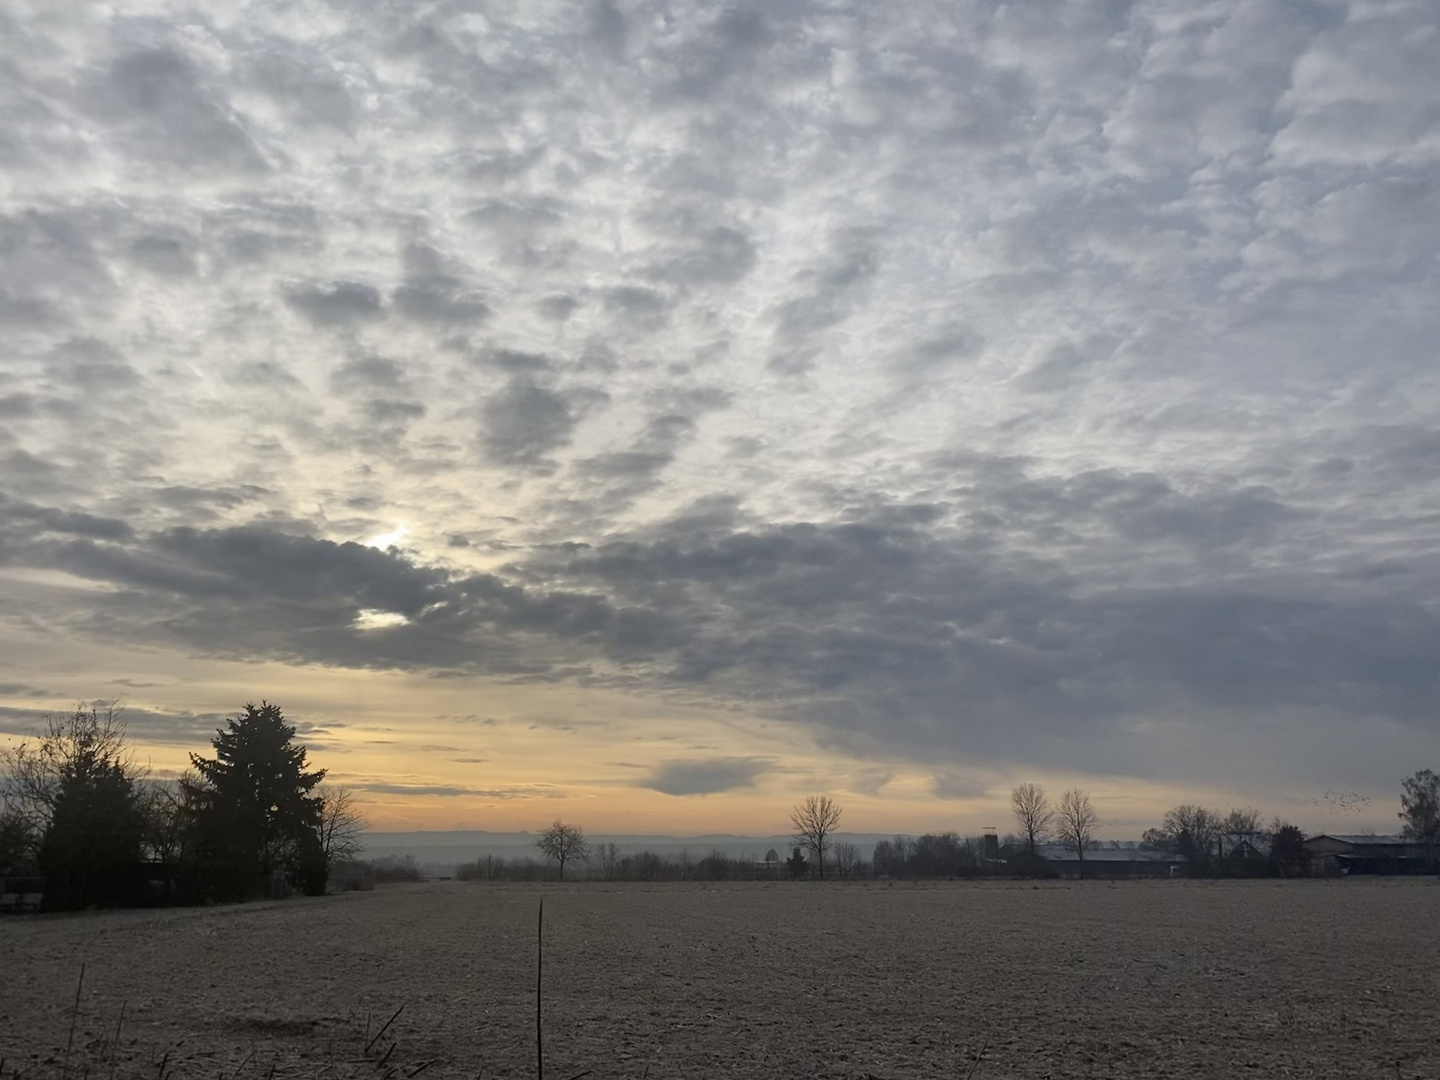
[
  {"x": 255, "y": 819},
  {"x": 252, "y": 819},
  {"x": 1204, "y": 842}
]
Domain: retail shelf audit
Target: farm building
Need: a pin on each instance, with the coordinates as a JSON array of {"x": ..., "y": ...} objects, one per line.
[
  {"x": 1110, "y": 862},
  {"x": 1333, "y": 854}
]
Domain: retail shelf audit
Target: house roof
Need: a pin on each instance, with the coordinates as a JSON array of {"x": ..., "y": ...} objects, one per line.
[
  {"x": 1065, "y": 853},
  {"x": 1363, "y": 839}
]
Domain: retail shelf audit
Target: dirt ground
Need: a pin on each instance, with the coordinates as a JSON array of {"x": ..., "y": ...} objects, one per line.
[{"x": 795, "y": 980}]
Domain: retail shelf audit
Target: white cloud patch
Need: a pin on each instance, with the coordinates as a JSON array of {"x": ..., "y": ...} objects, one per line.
[{"x": 373, "y": 619}]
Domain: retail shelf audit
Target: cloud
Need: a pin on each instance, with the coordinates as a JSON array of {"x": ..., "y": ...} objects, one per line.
[
  {"x": 523, "y": 421},
  {"x": 705, "y": 777},
  {"x": 47, "y": 519},
  {"x": 954, "y": 785},
  {"x": 452, "y": 791},
  {"x": 167, "y": 255},
  {"x": 877, "y": 625},
  {"x": 952, "y": 385},
  {"x": 822, "y": 298},
  {"x": 311, "y": 94},
  {"x": 142, "y": 725},
  {"x": 159, "y": 101},
  {"x": 91, "y": 366},
  {"x": 718, "y": 256},
  {"x": 336, "y": 303},
  {"x": 368, "y": 373}
]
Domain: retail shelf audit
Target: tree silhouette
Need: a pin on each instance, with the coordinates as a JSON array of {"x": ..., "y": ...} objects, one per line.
[
  {"x": 341, "y": 825},
  {"x": 1077, "y": 821},
  {"x": 1032, "y": 813},
  {"x": 1420, "y": 809},
  {"x": 18, "y": 845},
  {"x": 75, "y": 795},
  {"x": 562, "y": 843},
  {"x": 608, "y": 856},
  {"x": 1190, "y": 831},
  {"x": 814, "y": 820},
  {"x": 254, "y": 811},
  {"x": 1287, "y": 849}
]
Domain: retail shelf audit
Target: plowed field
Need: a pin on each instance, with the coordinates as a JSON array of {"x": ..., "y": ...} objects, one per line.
[{"x": 1305, "y": 979}]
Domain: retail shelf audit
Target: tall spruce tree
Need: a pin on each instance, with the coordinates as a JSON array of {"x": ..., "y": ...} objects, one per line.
[{"x": 254, "y": 814}]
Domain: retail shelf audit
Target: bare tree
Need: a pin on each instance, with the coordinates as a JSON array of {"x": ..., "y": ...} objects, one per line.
[
  {"x": 341, "y": 825},
  {"x": 562, "y": 843},
  {"x": 1420, "y": 809},
  {"x": 1077, "y": 821},
  {"x": 1190, "y": 831},
  {"x": 1033, "y": 814},
  {"x": 87, "y": 741},
  {"x": 608, "y": 856},
  {"x": 814, "y": 820},
  {"x": 168, "y": 835},
  {"x": 847, "y": 860},
  {"x": 1240, "y": 827}
]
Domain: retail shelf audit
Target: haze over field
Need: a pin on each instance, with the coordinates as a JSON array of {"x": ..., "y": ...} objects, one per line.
[{"x": 647, "y": 413}]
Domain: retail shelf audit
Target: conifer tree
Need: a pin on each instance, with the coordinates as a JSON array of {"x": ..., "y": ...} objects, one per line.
[
  {"x": 254, "y": 811},
  {"x": 72, "y": 809}
]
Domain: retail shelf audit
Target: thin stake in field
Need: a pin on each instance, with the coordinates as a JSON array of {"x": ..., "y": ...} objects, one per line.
[
  {"x": 539, "y": 966},
  {"x": 384, "y": 1029},
  {"x": 74, "y": 1015},
  {"x": 115, "y": 1043}
]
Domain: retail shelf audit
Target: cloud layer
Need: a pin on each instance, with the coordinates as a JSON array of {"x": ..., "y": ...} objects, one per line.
[{"x": 956, "y": 382}]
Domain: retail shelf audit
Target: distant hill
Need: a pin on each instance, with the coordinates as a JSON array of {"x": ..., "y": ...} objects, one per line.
[{"x": 439, "y": 852}]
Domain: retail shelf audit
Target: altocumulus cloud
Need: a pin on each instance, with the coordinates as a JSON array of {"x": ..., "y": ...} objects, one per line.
[
  {"x": 453, "y": 791},
  {"x": 705, "y": 777},
  {"x": 962, "y": 384}
]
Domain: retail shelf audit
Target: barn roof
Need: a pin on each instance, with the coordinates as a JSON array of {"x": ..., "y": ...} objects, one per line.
[
  {"x": 1363, "y": 839},
  {"x": 1065, "y": 853}
]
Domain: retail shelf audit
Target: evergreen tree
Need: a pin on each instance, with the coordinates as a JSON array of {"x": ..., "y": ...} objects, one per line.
[
  {"x": 17, "y": 844},
  {"x": 91, "y": 851},
  {"x": 72, "y": 809},
  {"x": 254, "y": 811}
]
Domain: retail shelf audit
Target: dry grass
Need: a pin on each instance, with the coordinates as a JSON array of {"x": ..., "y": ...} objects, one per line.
[{"x": 764, "y": 980}]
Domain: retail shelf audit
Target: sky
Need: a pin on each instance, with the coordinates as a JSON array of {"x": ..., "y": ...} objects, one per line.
[{"x": 649, "y": 413}]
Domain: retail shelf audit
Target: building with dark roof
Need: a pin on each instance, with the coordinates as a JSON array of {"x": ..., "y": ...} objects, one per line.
[
  {"x": 1108, "y": 862},
  {"x": 1332, "y": 854}
]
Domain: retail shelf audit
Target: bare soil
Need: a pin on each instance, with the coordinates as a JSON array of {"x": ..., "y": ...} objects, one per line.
[{"x": 795, "y": 980}]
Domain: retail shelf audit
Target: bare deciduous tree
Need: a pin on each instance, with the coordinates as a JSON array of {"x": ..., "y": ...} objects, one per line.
[
  {"x": 814, "y": 820},
  {"x": 608, "y": 857},
  {"x": 1077, "y": 821},
  {"x": 1033, "y": 814},
  {"x": 168, "y": 835},
  {"x": 341, "y": 825},
  {"x": 1240, "y": 827},
  {"x": 563, "y": 843},
  {"x": 1190, "y": 831},
  {"x": 847, "y": 860},
  {"x": 1420, "y": 809},
  {"x": 90, "y": 739}
]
